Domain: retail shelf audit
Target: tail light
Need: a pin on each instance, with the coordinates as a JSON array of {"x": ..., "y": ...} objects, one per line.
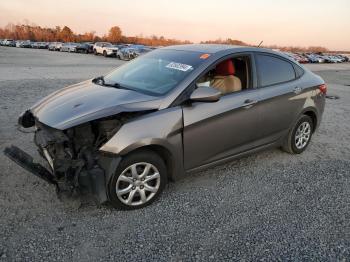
[{"x": 323, "y": 88}]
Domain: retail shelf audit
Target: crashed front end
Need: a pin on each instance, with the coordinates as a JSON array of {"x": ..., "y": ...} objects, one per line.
[
  {"x": 75, "y": 165},
  {"x": 70, "y": 126}
]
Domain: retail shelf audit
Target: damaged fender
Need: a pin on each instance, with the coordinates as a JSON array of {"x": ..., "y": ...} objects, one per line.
[{"x": 161, "y": 129}]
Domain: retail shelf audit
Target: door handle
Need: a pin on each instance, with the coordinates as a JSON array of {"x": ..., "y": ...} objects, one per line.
[
  {"x": 249, "y": 103},
  {"x": 297, "y": 90}
]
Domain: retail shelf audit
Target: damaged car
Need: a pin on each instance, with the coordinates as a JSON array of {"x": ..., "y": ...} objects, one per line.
[{"x": 166, "y": 114}]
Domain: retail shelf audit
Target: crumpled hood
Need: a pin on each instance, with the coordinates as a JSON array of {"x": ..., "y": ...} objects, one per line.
[{"x": 86, "y": 101}]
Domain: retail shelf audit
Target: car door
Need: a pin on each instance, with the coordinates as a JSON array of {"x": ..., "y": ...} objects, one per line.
[
  {"x": 214, "y": 131},
  {"x": 281, "y": 95}
]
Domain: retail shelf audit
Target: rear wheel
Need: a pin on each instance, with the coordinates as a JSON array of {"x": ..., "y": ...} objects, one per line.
[
  {"x": 95, "y": 52},
  {"x": 104, "y": 53},
  {"x": 299, "y": 136},
  {"x": 138, "y": 180}
]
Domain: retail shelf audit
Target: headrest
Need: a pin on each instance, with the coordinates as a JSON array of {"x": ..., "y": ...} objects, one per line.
[{"x": 225, "y": 68}]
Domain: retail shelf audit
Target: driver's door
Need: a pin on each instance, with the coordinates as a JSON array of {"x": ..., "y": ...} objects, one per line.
[{"x": 215, "y": 131}]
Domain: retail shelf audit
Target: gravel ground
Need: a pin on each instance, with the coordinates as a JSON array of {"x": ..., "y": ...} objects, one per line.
[{"x": 268, "y": 206}]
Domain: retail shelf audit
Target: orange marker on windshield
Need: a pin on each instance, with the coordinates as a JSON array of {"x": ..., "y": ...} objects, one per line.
[{"x": 204, "y": 56}]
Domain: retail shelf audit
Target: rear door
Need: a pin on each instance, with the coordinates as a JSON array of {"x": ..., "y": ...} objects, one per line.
[{"x": 281, "y": 96}]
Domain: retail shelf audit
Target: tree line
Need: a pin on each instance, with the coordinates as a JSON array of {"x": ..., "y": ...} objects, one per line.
[
  {"x": 115, "y": 35},
  {"x": 65, "y": 34}
]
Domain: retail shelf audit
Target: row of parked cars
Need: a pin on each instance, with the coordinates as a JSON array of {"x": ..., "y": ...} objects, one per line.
[
  {"x": 318, "y": 57},
  {"x": 121, "y": 51},
  {"x": 131, "y": 51}
]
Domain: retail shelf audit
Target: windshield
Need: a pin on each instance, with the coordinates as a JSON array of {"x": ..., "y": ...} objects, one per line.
[{"x": 157, "y": 72}]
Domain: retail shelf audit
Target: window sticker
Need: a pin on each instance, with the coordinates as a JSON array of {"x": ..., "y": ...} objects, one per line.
[{"x": 179, "y": 66}]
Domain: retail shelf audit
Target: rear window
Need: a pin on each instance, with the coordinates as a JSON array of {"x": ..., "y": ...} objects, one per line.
[{"x": 273, "y": 70}]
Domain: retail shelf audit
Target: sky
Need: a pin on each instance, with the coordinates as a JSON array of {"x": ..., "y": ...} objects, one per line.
[{"x": 281, "y": 22}]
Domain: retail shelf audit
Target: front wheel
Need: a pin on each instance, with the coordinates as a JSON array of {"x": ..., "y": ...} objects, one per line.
[
  {"x": 138, "y": 180},
  {"x": 299, "y": 136}
]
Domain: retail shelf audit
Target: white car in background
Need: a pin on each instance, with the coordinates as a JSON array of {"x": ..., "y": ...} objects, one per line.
[
  {"x": 9, "y": 42},
  {"x": 55, "y": 46},
  {"x": 69, "y": 47},
  {"x": 332, "y": 59},
  {"x": 105, "y": 49}
]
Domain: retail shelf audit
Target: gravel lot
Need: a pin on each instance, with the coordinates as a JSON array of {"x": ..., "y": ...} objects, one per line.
[{"x": 269, "y": 206}]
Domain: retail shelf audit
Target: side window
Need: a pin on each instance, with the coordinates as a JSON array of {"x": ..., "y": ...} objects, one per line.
[
  {"x": 228, "y": 76},
  {"x": 272, "y": 70}
]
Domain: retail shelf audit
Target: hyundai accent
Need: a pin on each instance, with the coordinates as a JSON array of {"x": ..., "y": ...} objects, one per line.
[{"x": 168, "y": 113}]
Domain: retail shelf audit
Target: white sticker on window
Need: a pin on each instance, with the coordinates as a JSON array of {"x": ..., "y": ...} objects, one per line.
[{"x": 179, "y": 66}]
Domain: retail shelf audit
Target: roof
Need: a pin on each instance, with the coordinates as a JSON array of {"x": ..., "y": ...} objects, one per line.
[
  {"x": 220, "y": 48},
  {"x": 208, "y": 48}
]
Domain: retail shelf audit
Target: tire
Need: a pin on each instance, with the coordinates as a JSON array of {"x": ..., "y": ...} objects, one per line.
[
  {"x": 151, "y": 184},
  {"x": 104, "y": 53},
  {"x": 95, "y": 52},
  {"x": 297, "y": 140}
]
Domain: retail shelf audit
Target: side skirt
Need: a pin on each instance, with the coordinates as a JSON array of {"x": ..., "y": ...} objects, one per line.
[{"x": 230, "y": 158}]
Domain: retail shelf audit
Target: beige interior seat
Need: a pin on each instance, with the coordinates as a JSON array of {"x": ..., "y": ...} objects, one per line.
[{"x": 224, "y": 80}]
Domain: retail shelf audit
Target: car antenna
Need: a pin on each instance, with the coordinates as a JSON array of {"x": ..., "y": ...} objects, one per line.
[{"x": 260, "y": 43}]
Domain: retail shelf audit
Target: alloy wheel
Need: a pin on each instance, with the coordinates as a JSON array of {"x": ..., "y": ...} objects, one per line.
[
  {"x": 302, "y": 135},
  {"x": 138, "y": 184}
]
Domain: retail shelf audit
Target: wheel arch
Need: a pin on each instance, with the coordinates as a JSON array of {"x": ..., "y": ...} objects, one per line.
[
  {"x": 313, "y": 115},
  {"x": 163, "y": 152}
]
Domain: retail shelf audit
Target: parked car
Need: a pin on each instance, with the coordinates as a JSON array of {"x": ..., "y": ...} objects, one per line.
[
  {"x": 168, "y": 113},
  {"x": 69, "y": 47},
  {"x": 33, "y": 44},
  {"x": 44, "y": 45},
  {"x": 40, "y": 45},
  {"x": 340, "y": 57},
  {"x": 129, "y": 52},
  {"x": 126, "y": 53},
  {"x": 9, "y": 42},
  {"x": 319, "y": 58},
  {"x": 85, "y": 48},
  {"x": 18, "y": 43},
  {"x": 346, "y": 58},
  {"x": 105, "y": 49},
  {"x": 58, "y": 46},
  {"x": 55, "y": 46},
  {"x": 331, "y": 59},
  {"x": 311, "y": 58},
  {"x": 26, "y": 44},
  {"x": 142, "y": 51}
]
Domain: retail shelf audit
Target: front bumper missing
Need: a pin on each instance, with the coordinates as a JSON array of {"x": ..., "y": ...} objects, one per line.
[
  {"x": 92, "y": 181},
  {"x": 26, "y": 161}
]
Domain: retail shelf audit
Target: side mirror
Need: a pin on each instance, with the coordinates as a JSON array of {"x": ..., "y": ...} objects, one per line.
[{"x": 205, "y": 94}]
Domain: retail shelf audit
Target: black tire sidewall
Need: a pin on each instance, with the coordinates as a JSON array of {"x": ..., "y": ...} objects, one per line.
[
  {"x": 301, "y": 120},
  {"x": 141, "y": 156}
]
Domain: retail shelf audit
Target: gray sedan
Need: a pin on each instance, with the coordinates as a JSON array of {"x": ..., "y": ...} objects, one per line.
[{"x": 168, "y": 113}]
